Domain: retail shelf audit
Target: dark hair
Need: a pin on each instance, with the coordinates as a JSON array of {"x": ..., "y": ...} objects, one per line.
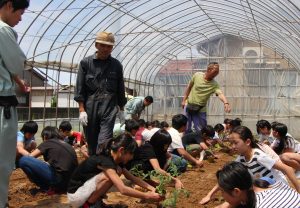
[
  {"x": 142, "y": 122},
  {"x": 282, "y": 131},
  {"x": 235, "y": 122},
  {"x": 16, "y": 4},
  {"x": 155, "y": 123},
  {"x": 227, "y": 120},
  {"x": 219, "y": 127},
  {"x": 235, "y": 175},
  {"x": 159, "y": 139},
  {"x": 179, "y": 121},
  {"x": 50, "y": 132},
  {"x": 261, "y": 183},
  {"x": 208, "y": 131},
  {"x": 148, "y": 123},
  {"x": 164, "y": 124},
  {"x": 131, "y": 124},
  {"x": 262, "y": 124},
  {"x": 113, "y": 144},
  {"x": 65, "y": 126},
  {"x": 149, "y": 99},
  {"x": 245, "y": 133},
  {"x": 273, "y": 124},
  {"x": 29, "y": 127}
]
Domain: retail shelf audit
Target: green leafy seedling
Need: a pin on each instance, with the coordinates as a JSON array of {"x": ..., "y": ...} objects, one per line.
[
  {"x": 172, "y": 201},
  {"x": 138, "y": 172}
]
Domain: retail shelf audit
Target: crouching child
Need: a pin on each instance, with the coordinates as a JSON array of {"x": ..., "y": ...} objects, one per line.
[{"x": 94, "y": 177}]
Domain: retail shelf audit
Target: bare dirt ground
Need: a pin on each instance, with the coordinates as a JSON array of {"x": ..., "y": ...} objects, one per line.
[{"x": 197, "y": 181}]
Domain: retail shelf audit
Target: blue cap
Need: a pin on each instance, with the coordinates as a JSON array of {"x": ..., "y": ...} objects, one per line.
[{"x": 269, "y": 180}]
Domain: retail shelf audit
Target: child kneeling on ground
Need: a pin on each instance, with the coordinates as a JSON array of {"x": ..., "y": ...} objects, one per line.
[{"x": 94, "y": 177}]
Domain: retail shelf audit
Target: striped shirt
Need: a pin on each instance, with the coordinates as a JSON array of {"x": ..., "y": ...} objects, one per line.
[
  {"x": 261, "y": 165},
  {"x": 279, "y": 195},
  {"x": 291, "y": 143}
]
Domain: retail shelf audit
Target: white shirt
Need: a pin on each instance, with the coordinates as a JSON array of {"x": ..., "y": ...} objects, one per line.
[
  {"x": 269, "y": 138},
  {"x": 290, "y": 143},
  {"x": 279, "y": 195},
  {"x": 176, "y": 140},
  {"x": 261, "y": 165},
  {"x": 147, "y": 134}
]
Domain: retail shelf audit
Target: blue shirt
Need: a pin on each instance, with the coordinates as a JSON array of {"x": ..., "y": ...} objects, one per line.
[
  {"x": 134, "y": 106},
  {"x": 12, "y": 59},
  {"x": 21, "y": 138}
]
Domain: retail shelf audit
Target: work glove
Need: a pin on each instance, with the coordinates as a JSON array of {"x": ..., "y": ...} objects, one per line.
[{"x": 83, "y": 118}]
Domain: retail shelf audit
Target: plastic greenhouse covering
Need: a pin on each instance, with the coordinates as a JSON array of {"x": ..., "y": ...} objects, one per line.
[{"x": 161, "y": 43}]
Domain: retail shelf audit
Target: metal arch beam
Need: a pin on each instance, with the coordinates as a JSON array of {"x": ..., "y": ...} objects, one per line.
[
  {"x": 120, "y": 10},
  {"x": 177, "y": 31},
  {"x": 208, "y": 16},
  {"x": 288, "y": 26},
  {"x": 157, "y": 56},
  {"x": 159, "y": 32},
  {"x": 39, "y": 14}
]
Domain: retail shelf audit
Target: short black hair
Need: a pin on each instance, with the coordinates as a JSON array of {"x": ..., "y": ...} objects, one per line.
[
  {"x": 142, "y": 122},
  {"x": 131, "y": 124},
  {"x": 29, "y": 127},
  {"x": 208, "y": 131},
  {"x": 273, "y": 124},
  {"x": 149, "y": 99},
  {"x": 16, "y": 4},
  {"x": 235, "y": 122},
  {"x": 155, "y": 123},
  {"x": 50, "y": 132},
  {"x": 179, "y": 121},
  {"x": 164, "y": 124},
  {"x": 227, "y": 120},
  {"x": 65, "y": 126},
  {"x": 262, "y": 124},
  {"x": 219, "y": 127},
  {"x": 148, "y": 123}
]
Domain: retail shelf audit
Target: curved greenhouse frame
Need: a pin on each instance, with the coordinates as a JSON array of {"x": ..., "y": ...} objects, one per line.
[{"x": 161, "y": 44}]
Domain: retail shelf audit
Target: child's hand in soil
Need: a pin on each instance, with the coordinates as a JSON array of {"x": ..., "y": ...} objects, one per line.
[
  {"x": 154, "y": 196},
  {"x": 178, "y": 184},
  {"x": 205, "y": 200},
  {"x": 199, "y": 164}
]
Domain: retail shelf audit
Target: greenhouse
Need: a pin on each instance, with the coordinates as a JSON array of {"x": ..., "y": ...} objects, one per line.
[{"x": 162, "y": 43}]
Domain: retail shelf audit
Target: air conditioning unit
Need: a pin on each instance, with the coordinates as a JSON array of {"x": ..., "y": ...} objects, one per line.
[{"x": 253, "y": 55}]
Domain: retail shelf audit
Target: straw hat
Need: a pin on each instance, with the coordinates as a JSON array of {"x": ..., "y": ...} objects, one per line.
[{"x": 106, "y": 38}]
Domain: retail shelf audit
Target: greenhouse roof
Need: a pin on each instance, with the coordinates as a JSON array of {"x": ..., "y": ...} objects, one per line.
[{"x": 58, "y": 34}]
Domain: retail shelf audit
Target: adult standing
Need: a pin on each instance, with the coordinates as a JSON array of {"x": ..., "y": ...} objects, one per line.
[
  {"x": 197, "y": 93},
  {"x": 100, "y": 92},
  {"x": 12, "y": 61},
  {"x": 135, "y": 106}
]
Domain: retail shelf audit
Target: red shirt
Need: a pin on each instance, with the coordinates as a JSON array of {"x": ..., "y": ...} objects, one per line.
[
  {"x": 138, "y": 135},
  {"x": 77, "y": 136}
]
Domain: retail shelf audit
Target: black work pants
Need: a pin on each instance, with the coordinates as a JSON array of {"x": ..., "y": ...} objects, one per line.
[{"x": 101, "y": 119}]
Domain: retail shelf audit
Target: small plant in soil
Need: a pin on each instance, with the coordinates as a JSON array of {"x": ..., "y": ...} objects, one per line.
[
  {"x": 162, "y": 180},
  {"x": 171, "y": 202},
  {"x": 138, "y": 172}
]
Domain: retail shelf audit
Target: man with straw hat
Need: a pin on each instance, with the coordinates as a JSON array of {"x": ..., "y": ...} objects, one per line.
[{"x": 100, "y": 92}]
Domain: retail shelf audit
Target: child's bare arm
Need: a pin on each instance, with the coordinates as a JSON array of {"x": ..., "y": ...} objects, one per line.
[{"x": 210, "y": 194}]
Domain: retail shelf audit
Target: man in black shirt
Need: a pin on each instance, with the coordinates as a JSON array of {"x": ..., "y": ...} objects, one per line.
[{"x": 100, "y": 92}]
